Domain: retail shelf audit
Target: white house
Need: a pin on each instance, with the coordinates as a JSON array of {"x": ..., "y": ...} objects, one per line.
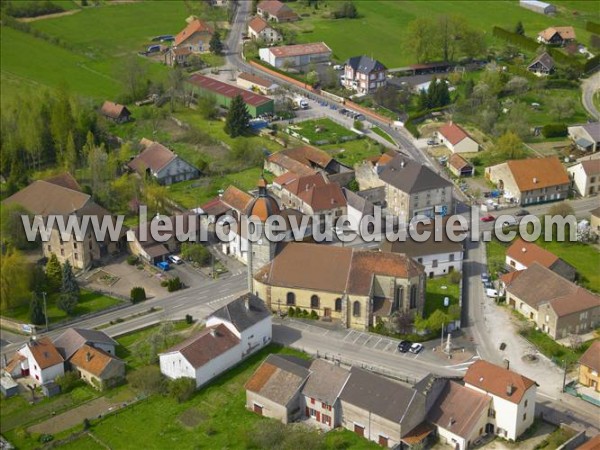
[
  {"x": 203, "y": 356},
  {"x": 456, "y": 139},
  {"x": 513, "y": 398},
  {"x": 586, "y": 177},
  {"x": 363, "y": 74},
  {"x": 586, "y": 136},
  {"x": 248, "y": 319},
  {"x": 295, "y": 55},
  {"x": 259, "y": 28},
  {"x": 42, "y": 362},
  {"x": 232, "y": 333}
]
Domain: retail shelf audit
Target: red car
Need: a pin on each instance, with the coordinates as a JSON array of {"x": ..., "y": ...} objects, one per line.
[{"x": 488, "y": 218}]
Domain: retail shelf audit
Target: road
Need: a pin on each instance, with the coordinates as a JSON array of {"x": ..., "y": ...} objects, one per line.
[{"x": 588, "y": 88}]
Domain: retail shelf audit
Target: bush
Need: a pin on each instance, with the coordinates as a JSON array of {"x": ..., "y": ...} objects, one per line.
[
  {"x": 554, "y": 130},
  {"x": 174, "y": 284},
  {"x": 455, "y": 277},
  {"x": 147, "y": 380},
  {"x": 592, "y": 27},
  {"x": 46, "y": 438},
  {"x": 314, "y": 315},
  {"x": 31, "y": 9},
  {"x": 132, "y": 260},
  {"x": 68, "y": 381},
  {"x": 86, "y": 424},
  {"x": 164, "y": 283},
  {"x": 291, "y": 311},
  {"x": 189, "y": 319},
  {"x": 197, "y": 253},
  {"x": 137, "y": 294},
  {"x": 181, "y": 389}
]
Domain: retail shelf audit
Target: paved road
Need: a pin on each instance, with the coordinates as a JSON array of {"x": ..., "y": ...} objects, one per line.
[{"x": 588, "y": 88}]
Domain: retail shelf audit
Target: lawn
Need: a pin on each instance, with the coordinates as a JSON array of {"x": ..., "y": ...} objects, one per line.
[
  {"x": 383, "y": 134},
  {"x": 88, "y": 302},
  {"x": 552, "y": 349},
  {"x": 353, "y": 152},
  {"x": 437, "y": 290},
  {"x": 220, "y": 417},
  {"x": 324, "y": 131},
  {"x": 85, "y": 441},
  {"x": 386, "y": 22}
]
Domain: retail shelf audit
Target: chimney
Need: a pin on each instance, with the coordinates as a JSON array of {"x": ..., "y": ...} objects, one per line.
[
  {"x": 402, "y": 164},
  {"x": 507, "y": 364},
  {"x": 88, "y": 356},
  {"x": 213, "y": 332},
  {"x": 534, "y": 180},
  {"x": 247, "y": 303},
  {"x": 524, "y": 250},
  {"x": 510, "y": 389}
]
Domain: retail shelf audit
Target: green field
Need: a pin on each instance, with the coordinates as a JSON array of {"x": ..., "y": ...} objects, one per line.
[
  {"x": 98, "y": 40},
  {"x": 381, "y": 29},
  {"x": 322, "y": 130},
  {"x": 353, "y": 152},
  {"x": 88, "y": 302},
  {"x": 437, "y": 289}
]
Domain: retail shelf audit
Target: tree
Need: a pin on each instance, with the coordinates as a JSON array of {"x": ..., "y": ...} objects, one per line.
[
  {"x": 70, "y": 160},
  {"x": 14, "y": 278},
  {"x": 197, "y": 253},
  {"x": 207, "y": 106},
  {"x": 386, "y": 96},
  {"x": 181, "y": 389},
  {"x": 11, "y": 227},
  {"x": 68, "y": 381},
  {"x": 562, "y": 108},
  {"x": 562, "y": 209},
  {"x": 137, "y": 294},
  {"x": 516, "y": 85},
  {"x": 238, "y": 117},
  {"x": 403, "y": 322},
  {"x": 36, "y": 310},
  {"x": 69, "y": 292},
  {"x": 509, "y": 146},
  {"x": 133, "y": 74},
  {"x": 176, "y": 85},
  {"x": 146, "y": 380},
  {"x": 472, "y": 43},
  {"x": 437, "y": 320},
  {"x": 61, "y": 121},
  {"x": 53, "y": 274},
  {"x": 312, "y": 78},
  {"x": 215, "y": 44},
  {"x": 519, "y": 28},
  {"x": 346, "y": 10}
]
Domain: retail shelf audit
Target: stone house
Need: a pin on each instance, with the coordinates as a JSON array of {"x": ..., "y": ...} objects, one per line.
[
  {"x": 158, "y": 162},
  {"x": 589, "y": 367}
]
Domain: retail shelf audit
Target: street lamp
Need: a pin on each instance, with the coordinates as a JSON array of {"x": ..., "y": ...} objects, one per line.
[{"x": 45, "y": 311}]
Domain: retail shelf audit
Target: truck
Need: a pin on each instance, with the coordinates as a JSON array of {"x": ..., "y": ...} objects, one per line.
[{"x": 300, "y": 102}]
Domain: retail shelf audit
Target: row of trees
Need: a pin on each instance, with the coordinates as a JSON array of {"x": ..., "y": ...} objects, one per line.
[{"x": 445, "y": 37}]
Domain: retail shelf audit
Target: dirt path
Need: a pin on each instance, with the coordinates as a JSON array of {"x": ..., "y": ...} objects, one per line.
[{"x": 49, "y": 16}]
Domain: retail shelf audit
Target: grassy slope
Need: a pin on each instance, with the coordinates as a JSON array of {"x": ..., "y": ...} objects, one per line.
[{"x": 386, "y": 22}]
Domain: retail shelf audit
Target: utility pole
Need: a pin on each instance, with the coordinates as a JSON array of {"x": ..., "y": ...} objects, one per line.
[
  {"x": 564, "y": 376},
  {"x": 442, "y": 338},
  {"x": 45, "y": 311}
]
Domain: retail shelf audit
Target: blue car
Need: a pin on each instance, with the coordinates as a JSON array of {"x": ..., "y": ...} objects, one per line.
[{"x": 163, "y": 265}]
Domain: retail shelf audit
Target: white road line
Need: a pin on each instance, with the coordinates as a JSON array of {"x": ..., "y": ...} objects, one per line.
[
  {"x": 359, "y": 336},
  {"x": 349, "y": 334},
  {"x": 377, "y": 342},
  {"x": 365, "y": 344}
]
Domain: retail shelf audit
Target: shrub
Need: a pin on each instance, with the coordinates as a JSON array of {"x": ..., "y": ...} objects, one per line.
[
  {"x": 174, "y": 284},
  {"x": 164, "y": 283},
  {"x": 137, "y": 294},
  {"x": 554, "y": 130},
  {"x": 305, "y": 313},
  {"x": 181, "y": 389},
  {"x": 147, "y": 380},
  {"x": 46, "y": 438},
  {"x": 68, "y": 381},
  {"x": 291, "y": 311},
  {"x": 86, "y": 424},
  {"x": 455, "y": 277},
  {"x": 314, "y": 315},
  {"x": 189, "y": 319},
  {"x": 132, "y": 260}
]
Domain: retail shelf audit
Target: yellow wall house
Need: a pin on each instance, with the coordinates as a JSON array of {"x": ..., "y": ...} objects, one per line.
[
  {"x": 98, "y": 368},
  {"x": 589, "y": 367},
  {"x": 355, "y": 287}
]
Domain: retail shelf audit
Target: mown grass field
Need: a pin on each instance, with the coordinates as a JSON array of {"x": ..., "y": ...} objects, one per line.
[
  {"x": 437, "y": 289},
  {"x": 381, "y": 29},
  {"x": 98, "y": 40}
]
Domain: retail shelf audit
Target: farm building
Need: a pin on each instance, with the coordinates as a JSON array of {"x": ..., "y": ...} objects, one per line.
[
  {"x": 259, "y": 28},
  {"x": 456, "y": 139},
  {"x": 165, "y": 166},
  {"x": 538, "y": 7},
  {"x": 115, "y": 112},
  {"x": 459, "y": 166},
  {"x": 276, "y": 11},
  {"x": 586, "y": 136},
  {"x": 257, "y": 104},
  {"x": 255, "y": 83},
  {"x": 195, "y": 36},
  {"x": 295, "y": 55}
]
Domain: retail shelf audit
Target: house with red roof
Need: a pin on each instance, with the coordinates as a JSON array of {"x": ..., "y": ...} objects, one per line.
[
  {"x": 456, "y": 139},
  {"x": 522, "y": 254},
  {"x": 195, "y": 36},
  {"x": 276, "y": 11},
  {"x": 259, "y": 28},
  {"x": 164, "y": 165},
  {"x": 586, "y": 177}
]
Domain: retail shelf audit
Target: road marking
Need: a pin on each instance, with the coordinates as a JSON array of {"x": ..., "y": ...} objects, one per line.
[
  {"x": 365, "y": 344},
  {"x": 359, "y": 336},
  {"x": 348, "y": 335}
]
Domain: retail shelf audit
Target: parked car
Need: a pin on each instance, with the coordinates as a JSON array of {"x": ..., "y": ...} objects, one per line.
[
  {"x": 488, "y": 218},
  {"x": 485, "y": 278},
  {"x": 163, "y": 265},
  {"x": 509, "y": 221},
  {"x": 431, "y": 142},
  {"x": 175, "y": 259},
  {"x": 404, "y": 346},
  {"x": 416, "y": 348},
  {"x": 521, "y": 213},
  {"x": 490, "y": 292},
  {"x": 338, "y": 67},
  {"x": 488, "y": 285}
]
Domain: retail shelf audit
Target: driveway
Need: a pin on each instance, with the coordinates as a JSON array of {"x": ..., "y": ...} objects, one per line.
[{"x": 588, "y": 88}]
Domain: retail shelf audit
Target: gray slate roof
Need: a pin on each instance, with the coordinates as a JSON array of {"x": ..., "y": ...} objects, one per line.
[
  {"x": 545, "y": 59},
  {"x": 364, "y": 64},
  {"x": 239, "y": 315},
  {"x": 379, "y": 395},
  {"x": 411, "y": 177},
  {"x": 359, "y": 203},
  {"x": 74, "y": 338},
  {"x": 326, "y": 381}
]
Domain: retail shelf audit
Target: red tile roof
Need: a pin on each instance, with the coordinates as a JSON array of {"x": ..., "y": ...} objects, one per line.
[
  {"x": 564, "y": 32},
  {"x": 323, "y": 198},
  {"x": 529, "y": 252},
  {"x": 591, "y": 166},
  {"x": 154, "y": 157},
  {"x": 495, "y": 380},
  {"x": 538, "y": 173},
  {"x": 300, "y": 50},
  {"x": 277, "y": 9},
  {"x": 592, "y": 444},
  {"x": 113, "y": 110},
  {"x": 236, "y": 198},
  {"x": 93, "y": 360},
  {"x": 65, "y": 180},
  {"x": 258, "y": 24},
  {"x": 45, "y": 353},
  {"x": 509, "y": 277},
  {"x": 259, "y": 81},
  {"x": 227, "y": 90},
  {"x": 196, "y": 26},
  {"x": 458, "y": 162},
  {"x": 453, "y": 133}
]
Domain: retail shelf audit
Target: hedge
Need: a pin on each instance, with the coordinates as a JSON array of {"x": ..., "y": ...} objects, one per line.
[
  {"x": 592, "y": 27},
  {"x": 137, "y": 294},
  {"x": 554, "y": 130},
  {"x": 592, "y": 64}
]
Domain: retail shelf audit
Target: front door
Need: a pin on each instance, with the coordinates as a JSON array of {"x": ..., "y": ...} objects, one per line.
[
  {"x": 327, "y": 312},
  {"x": 258, "y": 409},
  {"x": 359, "y": 430},
  {"x": 489, "y": 428}
]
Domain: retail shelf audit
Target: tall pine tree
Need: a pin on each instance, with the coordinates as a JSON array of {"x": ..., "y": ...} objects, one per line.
[
  {"x": 519, "y": 29},
  {"x": 238, "y": 118},
  {"x": 215, "y": 44},
  {"x": 36, "y": 310},
  {"x": 53, "y": 274},
  {"x": 69, "y": 292}
]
